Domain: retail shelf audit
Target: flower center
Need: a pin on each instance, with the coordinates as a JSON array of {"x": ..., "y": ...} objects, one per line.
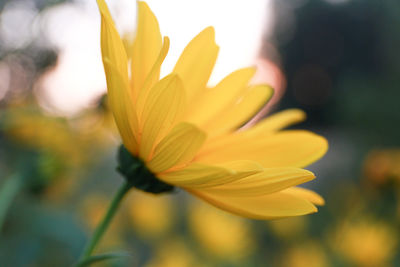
[{"x": 138, "y": 175}]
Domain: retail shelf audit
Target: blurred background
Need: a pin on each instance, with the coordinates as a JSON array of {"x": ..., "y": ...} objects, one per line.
[{"x": 336, "y": 59}]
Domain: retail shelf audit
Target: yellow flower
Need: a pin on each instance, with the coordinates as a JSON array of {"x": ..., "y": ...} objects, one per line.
[
  {"x": 381, "y": 165},
  {"x": 185, "y": 133},
  {"x": 306, "y": 254},
  {"x": 151, "y": 215},
  {"x": 366, "y": 242},
  {"x": 44, "y": 133},
  {"x": 289, "y": 228},
  {"x": 174, "y": 253},
  {"x": 224, "y": 235}
]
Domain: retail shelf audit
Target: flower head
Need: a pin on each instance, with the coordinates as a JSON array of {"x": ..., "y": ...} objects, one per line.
[{"x": 186, "y": 133}]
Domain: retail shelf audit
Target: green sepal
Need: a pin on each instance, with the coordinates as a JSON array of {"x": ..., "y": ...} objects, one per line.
[{"x": 137, "y": 174}]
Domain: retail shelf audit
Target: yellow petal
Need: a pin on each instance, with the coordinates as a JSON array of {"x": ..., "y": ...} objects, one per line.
[
  {"x": 152, "y": 78},
  {"x": 177, "y": 148},
  {"x": 262, "y": 129},
  {"x": 242, "y": 166},
  {"x": 202, "y": 176},
  {"x": 292, "y": 148},
  {"x": 269, "y": 181},
  {"x": 112, "y": 46},
  {"x": 115, "y": 66},
  {"x": 164, "y": 105},
  {"x": 146, "y": 47},
  {"x": 306, "y": 194},
  {"x": 271, "y": 206},
  {"x": 195, "y": 174},
  {"x": 276, "y": 122},
  {"x": 214, "y": 100},
  {"x": 195, "y": 64},
  {"x": 236, "y": 115}
]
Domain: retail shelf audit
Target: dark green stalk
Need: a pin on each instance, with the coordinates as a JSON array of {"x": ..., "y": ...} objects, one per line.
[
  {"x": 102, "y": 227},
  {"x": 8, "y": 191}
]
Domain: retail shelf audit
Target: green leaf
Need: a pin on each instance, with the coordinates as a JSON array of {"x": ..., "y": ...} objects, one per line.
[{"x": 103, "y": 257}]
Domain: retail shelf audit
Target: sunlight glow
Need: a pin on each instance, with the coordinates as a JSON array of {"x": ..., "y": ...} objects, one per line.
[{"x": 79, "y": 77}]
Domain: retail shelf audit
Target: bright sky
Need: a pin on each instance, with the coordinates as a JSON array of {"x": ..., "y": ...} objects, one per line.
[{"x": 75, "y": 28}]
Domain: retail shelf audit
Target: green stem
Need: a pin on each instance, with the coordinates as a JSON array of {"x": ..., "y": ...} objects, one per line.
[
  {"x": 8, "y": 192},
  {"x": 102, "y": 227},
  {"x": 102, "y": 257}
]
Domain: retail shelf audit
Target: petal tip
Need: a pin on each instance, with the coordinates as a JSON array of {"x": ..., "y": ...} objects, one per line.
[
  {"x": 208, "y": 34},
  {"x": 324, "y": 145},
  {"x": 143, "y": 6},
  {"x": 318, "y": 200},
  {"x": 210, "y": 31},
  {"x": 302, "y": 115},
  {"x": 166, "y": 40},
  {"x": 103, "y": 8},
  {"x": 309, "y": 174},
  {"x": 314, "y": 210}
]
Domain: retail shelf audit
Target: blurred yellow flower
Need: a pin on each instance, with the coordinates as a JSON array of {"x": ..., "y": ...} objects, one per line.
[
  {"x": 51, "y": 134},
  {"x": 174, "y": 253},
  {"x": 224, "y": 235},
  {"x": 366, "y": 242},
  {"x": 59, "y": 142},
  {"x": 382, "y": 165},
  {"x": 63, "y": 138},
  {"x": 185, "y": 133},
  {"x": 308, "y": 254},
  {"x": 151, "y": 215},
  {"x": 289, "y": 228}
]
